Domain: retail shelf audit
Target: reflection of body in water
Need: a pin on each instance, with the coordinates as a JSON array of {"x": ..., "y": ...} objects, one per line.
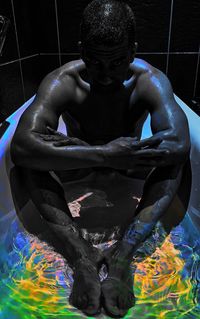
[{"x": 104, "y": 99}]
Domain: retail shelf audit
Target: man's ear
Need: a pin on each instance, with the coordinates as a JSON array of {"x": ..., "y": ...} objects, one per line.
[
  {"x": 80, "y": 48},
  {"x": 136, "y": 46},
  {"x": 133, "y": 50}
]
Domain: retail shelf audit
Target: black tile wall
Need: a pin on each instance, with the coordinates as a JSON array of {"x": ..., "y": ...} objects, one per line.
[
  {"x": 69, "y": 14},
  {"x": 157, "y": 60},
  {"x": 47, "y": 31},
  {"x": 11, "y": 89},
  {"x": 197, "y": 93},
  {"x": 9, "y": 52},
  {"x": 152, "y": 18},
  {"x": 182, "y": 71},
  {"x": 48, "y": 63},
  {"x": 36, "y": 26},
  {"x": 31, "y": 75},
  {"x": 25, "y": 13},
  {"x": 69, "y": 57},
  {"x": 185, "y": 26},
  {"x": 35, "y": 69}
]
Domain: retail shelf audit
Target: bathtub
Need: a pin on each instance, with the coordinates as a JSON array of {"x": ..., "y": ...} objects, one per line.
[{"x": 22, "y": 251}]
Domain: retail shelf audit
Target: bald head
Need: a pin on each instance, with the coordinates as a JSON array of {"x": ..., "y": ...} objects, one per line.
[{"x": 108, "y": 22}]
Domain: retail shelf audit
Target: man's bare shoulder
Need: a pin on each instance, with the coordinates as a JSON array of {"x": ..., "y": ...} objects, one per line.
[
  {"x": 70, "y": 69},
  {"x": 55, "y": 93},
  {"x": 58, "y": 87},
  {"x": 64, "y": 77},
  {"x": 144, "y": 70},
  {"x": 151, "y": 82}
]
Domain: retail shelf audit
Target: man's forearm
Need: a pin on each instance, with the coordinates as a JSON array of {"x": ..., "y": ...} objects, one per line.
[{"x": 42, "y": 155}]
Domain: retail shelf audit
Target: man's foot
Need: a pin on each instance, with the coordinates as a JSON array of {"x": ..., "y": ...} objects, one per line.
[
  {"x": 117, "y": 288},
  {"x": 86, "y": 290}
]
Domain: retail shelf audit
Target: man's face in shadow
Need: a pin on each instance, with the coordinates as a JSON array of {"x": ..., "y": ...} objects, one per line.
[{"x": 107, "y": 67}]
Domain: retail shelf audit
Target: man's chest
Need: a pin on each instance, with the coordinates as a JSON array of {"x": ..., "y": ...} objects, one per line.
[{"x": 102, "y": 119}]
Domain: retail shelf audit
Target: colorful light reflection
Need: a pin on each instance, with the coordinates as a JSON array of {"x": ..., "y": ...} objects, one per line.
[{"x": 36, "y": 281}]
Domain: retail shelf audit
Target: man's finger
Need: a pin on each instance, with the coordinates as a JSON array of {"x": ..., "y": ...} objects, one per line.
[
  {"x": 56, "y": 132},
  {"x": 51, "y": 138},
  {"x": 141, "y": 167},
  {"x": 151, "y": 162},
  {"x": 64, "y": 143},
  {"x": 46, "y": 137},
  {"x": 151, "y": 153},
  {"x": 51, "y": 129},
  {"x": 150, "y": 142}
]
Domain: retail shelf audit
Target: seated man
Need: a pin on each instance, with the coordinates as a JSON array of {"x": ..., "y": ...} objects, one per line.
[{"x": 104, "y": 99}]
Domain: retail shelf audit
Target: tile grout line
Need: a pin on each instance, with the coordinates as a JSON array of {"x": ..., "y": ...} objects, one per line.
[
  {"x": 196, "y": 75},
  {"x": 21, "y": 59},
  {"x": 58, "y": 34},
  {"x": 141, "y": 53},
  {"x": 67, "y": 53},
  {"x": 169, "y": 37},
  {"x": 18, "y": 50},
  {"x": 167, "y": 53}
]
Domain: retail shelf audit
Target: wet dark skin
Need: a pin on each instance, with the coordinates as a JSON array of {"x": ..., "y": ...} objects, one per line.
[{"x": 104, "y": 98}]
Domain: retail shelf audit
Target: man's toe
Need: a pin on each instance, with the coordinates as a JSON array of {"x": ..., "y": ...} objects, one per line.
[
  {"x": 71, "y": 299},
  {"x": 110, "y": 306},
  {"x": 92, "y": 308},
  {"x": 82, "y": 301},
  {"x": 126, "y": 302},
  {"x": 78, "y": 301},
  {"x": 116, "y": 305},
  {"x": 131, "y": 300}
]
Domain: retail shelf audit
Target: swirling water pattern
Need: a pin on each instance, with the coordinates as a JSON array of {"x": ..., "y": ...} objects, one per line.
[{"x": 36, "y": 281}]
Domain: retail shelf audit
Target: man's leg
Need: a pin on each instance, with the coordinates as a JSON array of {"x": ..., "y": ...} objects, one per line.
[
  {"x": 48, "y": 196},
  {"x": 159, "y": 191}
]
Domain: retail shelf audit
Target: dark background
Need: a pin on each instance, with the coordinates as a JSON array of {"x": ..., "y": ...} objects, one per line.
[{"x": 43, "y": 34}]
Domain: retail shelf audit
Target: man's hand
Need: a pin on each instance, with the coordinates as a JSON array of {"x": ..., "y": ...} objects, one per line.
[
  {"x": 169, "y": 152},
  {"x": 156, "y": 151},
  {"x": 123, "y": 153},
  {"x": 60, "y": 139}
]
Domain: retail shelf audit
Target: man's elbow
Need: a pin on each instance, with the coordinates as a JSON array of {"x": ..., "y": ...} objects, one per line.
[
  {"x": 27, "y": 151},
  {"x": 185, "y": 142},
  {"x": 16, "y": 152},
  {"x": 183, "y": 150}
]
